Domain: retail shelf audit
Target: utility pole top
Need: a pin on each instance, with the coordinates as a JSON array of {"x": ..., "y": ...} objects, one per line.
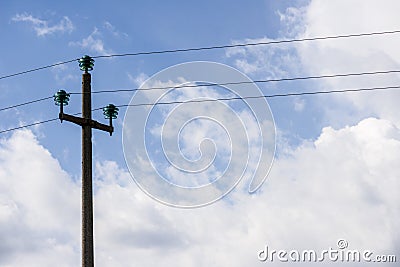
[{"x": 86, "y": 63}]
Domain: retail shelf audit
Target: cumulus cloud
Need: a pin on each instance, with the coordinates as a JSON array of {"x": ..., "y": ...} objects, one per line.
[
  {"x": 94, "y": 43},
  {"x": 39, "y": 206},
  {"x": 342, "y": 185},
  {"x": 308, "y": 202},
  {"x": 356, "y": 54},
  {"x": 219, "y": 141},
  {"x": 362, "y": 170},
  {"x": 43, "y": 27},
  {"x": 347, "y": 55}
]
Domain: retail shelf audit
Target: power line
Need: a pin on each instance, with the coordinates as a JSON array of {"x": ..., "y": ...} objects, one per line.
[
  {"x": 27, "y": 125},
  {"x": 26, "y": 103},
  {"x": 262, "y": 96},
  {"x": 208, "y": 48},
  {"x": 219, "y": 84},
  {"x": 221, "y": 99},
  {"x": 248, "y": 82},
  {"x": 249, "y": 44},
  {"x": 36, "y": 69},
  {"x": 35, "y": 123}
]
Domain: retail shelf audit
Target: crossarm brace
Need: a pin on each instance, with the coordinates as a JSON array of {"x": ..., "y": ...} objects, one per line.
[{"x": 86, "y": 122}]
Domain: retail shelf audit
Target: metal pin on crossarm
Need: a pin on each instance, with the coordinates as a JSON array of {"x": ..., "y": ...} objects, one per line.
[{"x": 61, "y": 98}]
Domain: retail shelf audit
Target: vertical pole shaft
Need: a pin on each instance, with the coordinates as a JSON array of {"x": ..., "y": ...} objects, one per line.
[
  {"x": 61, "y": 111},
  {"x": 87, "y": 198}
]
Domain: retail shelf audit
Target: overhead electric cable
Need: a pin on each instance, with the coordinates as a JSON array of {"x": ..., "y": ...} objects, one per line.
[
  {"x": 26, "y": 103},
  {"x": 246, "y": 82},
  {"x": 222, "y": 99},
  {"x": 27, "y": 125},
  {"x": 249, "y": 44},
  {"x": 209, "y": 48},
  {"x": 32, "y": 124},
  {"x": 218, "y": 84},
  {"x": 36, "y": 69},
  {"x": 261, "y": 96}
]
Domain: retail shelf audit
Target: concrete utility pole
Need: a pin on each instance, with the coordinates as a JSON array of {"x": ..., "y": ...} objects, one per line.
[{"x": 86, "y": 64}]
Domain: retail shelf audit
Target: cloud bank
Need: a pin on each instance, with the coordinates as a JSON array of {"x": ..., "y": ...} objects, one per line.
[{"x": 322, "y": 191}]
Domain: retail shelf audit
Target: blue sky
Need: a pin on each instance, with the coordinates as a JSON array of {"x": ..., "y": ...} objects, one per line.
[
  {"x": 151, "y": 26},
  {"x": 335, "y": 172}
]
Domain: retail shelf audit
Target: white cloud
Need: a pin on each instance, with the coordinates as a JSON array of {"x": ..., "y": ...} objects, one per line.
[
  {"x": 343, "y": 185},
  {"x": 356, "y": 54},
  {"x": 333, "y": 188},
  {"x": 112, "y": 29},
  {"x": 346, "y": 55},
  {"x": 43, "y": 27},
  {"x": 39, "y": 206},
  {"x": 232, "y": 132},
  {"x": 94, "y": 43},
  {"x": 291, "y": 21},
  {"x": 139, "y": 79},
  {"x": 264, "y": 61}
]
